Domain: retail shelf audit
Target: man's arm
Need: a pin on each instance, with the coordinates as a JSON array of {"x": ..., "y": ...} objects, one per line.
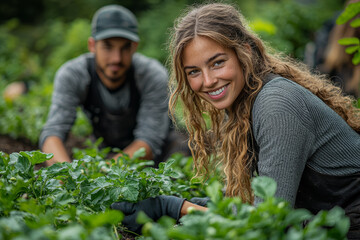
[
  {"x": 70, "y": 85},
  {"x": 55, "y": 145}
]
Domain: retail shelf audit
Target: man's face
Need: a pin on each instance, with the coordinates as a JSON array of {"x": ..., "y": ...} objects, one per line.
[{"x": 113, "y": 59}]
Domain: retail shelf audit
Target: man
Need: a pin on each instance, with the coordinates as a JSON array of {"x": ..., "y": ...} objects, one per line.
[{"x": 123, "y": 93}]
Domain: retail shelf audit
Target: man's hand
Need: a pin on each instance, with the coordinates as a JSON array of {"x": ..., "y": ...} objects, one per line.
[
  {"x": 154, "y": 208},
  {"x": 136, "y": 145},
  {"x": 53, "y": 144}
]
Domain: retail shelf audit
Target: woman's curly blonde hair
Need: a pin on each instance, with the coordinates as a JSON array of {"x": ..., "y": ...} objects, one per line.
[{"x": 228, "y": 142}]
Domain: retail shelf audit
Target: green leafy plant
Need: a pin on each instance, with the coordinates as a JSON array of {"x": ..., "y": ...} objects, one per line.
[
  {"x": 74, "y": 198},
  {"x": 353, "y": 43},
  {"x": 229, "y": 218}
]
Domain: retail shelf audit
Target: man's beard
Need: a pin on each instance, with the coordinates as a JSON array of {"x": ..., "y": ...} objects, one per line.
[{"x": 111, "y": 79}]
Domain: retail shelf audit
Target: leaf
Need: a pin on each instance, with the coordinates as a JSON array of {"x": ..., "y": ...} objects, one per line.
[
  {"x": 139, "y": 153},
  {"x": 14, "y": 224},
  {"x": 37, "y": 157},
  {"x": 71, "y": 232},
  {"x": 131, "y": 191},
  {"x": 264, "y": 187},
  {"x": 100, "y": 219},
  {"x": 355, "y": 23},
  {"x": 350, "y": 11},
  {"x": 214, "y": 191},
  {"x": 349, "y": 41},
  {"x": 23, "y": 164},
  {"x": 334, "y": 214},
  {"x": 167, "y": 165},
  {"x": 260, "y": 25},
  {"x": 64, "y": 199},
  {"x": 14, "y": 158},
  {"x": 352, "y": 49},
  {"x": 356, "y": 58},
  {"x": 101, "y": 182},
  {"x": 32, "y": 206},
  {"x": 114, "y": 193},
  {"x": 297, "y": 216},
  {"x": 75, "y": 174},
  {"x": 158, "y": 232},
  {"x": 142, "y": 218}
]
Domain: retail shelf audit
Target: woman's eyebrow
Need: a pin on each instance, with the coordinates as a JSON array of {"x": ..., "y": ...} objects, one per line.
[{"x": 214, "y": 57}]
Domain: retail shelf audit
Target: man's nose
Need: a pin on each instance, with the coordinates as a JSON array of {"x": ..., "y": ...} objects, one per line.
[{"x": 116, "y": 56}]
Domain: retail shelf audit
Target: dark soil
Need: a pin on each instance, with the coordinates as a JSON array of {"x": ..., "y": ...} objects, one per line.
[{"x": 9, "y": 145}]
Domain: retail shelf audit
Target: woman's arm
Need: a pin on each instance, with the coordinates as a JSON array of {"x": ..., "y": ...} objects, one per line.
[{"x": 185, "y": 207}]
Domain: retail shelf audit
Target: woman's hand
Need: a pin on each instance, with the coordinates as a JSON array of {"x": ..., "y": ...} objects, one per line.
[{"x": 154, "y": 208}]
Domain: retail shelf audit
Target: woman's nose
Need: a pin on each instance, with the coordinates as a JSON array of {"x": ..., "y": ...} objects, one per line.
[{"x": 209, "y": 80}]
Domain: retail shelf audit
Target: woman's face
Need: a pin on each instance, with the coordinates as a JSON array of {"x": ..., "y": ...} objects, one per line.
[{"x": 213, "y": 72}]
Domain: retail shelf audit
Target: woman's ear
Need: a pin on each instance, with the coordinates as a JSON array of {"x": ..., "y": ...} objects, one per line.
[{"x": 91, "y": 44}]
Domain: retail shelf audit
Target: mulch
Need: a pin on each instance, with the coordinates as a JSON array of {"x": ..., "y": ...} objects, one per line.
[{"x": 9, "y": 145}]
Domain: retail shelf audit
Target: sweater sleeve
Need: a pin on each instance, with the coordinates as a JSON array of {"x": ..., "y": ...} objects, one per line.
[
  {"x": 69, "y": 91},
  {"x": 152, "y": 120},
  {"x": 285, "y": 135}
]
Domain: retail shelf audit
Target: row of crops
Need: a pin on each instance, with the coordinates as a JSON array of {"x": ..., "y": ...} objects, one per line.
[{"x": 72, "y": 201}]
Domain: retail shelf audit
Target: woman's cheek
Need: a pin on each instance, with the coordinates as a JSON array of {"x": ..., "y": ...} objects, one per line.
[{"x": 195, "y": 84}]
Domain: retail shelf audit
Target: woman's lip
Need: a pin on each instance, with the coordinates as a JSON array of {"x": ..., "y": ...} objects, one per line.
[{"x": 219, "y": 93}]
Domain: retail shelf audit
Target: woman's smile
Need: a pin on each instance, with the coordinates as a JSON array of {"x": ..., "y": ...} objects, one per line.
[{"x": 217, "y": 94}]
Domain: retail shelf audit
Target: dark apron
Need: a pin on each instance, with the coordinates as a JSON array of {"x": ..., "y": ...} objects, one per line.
[
  {"x": 323, "y": 192},
  {"x": 318, "y": 192},
  {"x": 115, "y": 127}
]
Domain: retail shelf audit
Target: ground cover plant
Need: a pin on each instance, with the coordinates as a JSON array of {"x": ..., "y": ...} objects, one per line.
[
  {"x": 228, "y": 218},
  {"x": 72, "y": 201}
]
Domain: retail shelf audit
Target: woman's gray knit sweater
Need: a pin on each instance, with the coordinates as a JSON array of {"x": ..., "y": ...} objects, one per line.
[{"x": 294, "y": 128}]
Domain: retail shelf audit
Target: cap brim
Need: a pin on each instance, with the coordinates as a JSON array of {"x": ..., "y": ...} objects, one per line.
[{"x": 109, "y": 33}]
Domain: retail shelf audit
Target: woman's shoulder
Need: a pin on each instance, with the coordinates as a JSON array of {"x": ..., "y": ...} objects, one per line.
[
  {"x": 281, "y": 85},
  {"x": 282, "y": 93}
]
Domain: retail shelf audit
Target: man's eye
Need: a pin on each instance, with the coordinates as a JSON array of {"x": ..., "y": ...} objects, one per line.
[
  {"x": 126, "y": 47},
  {"x": 107, "y": 47}
]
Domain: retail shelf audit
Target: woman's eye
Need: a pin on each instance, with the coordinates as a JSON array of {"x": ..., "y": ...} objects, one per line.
[
  {"x": 218, "y": 63},
  {"x": 192, "y": 72}
]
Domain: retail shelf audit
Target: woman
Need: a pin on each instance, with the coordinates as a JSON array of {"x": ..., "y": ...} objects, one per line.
[{"x": 269, "y": 116}]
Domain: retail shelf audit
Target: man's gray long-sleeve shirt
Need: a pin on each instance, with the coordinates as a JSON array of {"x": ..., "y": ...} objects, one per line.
[
  {"x": 294, "y": 128},
  {"x": 71, "y": 87}
]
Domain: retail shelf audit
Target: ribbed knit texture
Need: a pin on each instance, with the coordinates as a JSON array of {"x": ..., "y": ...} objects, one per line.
[{"x": 294, "y": 128}]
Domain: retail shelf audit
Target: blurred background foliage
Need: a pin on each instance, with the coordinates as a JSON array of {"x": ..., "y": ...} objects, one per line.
[{"x": 37, "y": 36}]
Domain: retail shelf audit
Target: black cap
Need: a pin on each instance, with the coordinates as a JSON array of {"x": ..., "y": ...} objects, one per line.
[{"x": 114, "y": 21}]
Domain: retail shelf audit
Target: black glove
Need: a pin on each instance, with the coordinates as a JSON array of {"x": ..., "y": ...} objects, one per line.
[
  {"x": 154, "y": 208},
  {"x": 200, "y": 201}
]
